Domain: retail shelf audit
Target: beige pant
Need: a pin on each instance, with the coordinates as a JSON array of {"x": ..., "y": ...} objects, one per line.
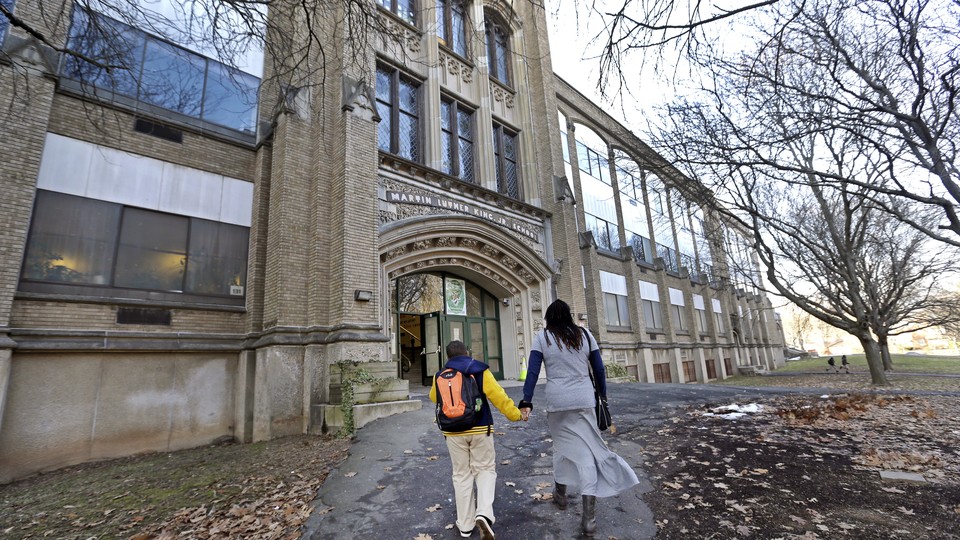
[{"x": 474, "y": 461}]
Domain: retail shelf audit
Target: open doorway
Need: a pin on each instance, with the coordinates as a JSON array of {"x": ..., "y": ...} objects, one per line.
[{"x": 431, "y": 309}]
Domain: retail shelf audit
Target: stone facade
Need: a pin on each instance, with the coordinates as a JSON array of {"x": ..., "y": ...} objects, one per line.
[{"x": 92, "y": 370}]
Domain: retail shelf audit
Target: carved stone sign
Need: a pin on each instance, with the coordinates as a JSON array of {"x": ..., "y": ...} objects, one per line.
[{"x": 398, "y": 197}]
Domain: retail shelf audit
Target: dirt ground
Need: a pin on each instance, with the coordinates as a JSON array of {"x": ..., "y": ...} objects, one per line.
[
  {"x": 809, "y": 467},
  {"x": 791, "y": 467}
]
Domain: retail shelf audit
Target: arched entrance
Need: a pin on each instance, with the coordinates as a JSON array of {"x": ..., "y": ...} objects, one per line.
[
  {"x": 430, "y": 265},
  {"x": 433, "y": 308}
]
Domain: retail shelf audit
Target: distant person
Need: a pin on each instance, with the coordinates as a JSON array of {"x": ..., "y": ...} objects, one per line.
[
  {"x": 845, "y": 363},
  {"x": 472, "y": 454},
  {"x": 832, "y": 365},
  {"x": 581, "y": 459}
]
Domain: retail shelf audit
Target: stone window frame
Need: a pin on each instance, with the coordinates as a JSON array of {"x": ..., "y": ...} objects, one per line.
[
  {"x": 455, "y": 135},
  {"x": 390, "y": 111}
]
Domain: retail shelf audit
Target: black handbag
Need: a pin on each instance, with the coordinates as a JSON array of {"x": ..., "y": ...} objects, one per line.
[
  {"x": 604, "y": 420},
  {"x": 602, "y": 409}
]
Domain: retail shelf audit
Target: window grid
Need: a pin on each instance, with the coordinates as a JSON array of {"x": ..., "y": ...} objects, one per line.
[
  {"x": 398, "y": 105},
  {"x": 506, "y": 160},
  {"x": 452, "y": 26},
  {"x": 498, "y": 51},
  {"x": 456, "y": 125}
]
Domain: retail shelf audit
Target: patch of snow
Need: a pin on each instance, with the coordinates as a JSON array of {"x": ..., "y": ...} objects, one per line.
[{"x": 735, "y": 411}]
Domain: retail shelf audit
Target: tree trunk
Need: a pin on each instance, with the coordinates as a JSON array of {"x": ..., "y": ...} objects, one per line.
[
  {"x": 874, "y": 361},
  {"x": 882, "y": 340}
]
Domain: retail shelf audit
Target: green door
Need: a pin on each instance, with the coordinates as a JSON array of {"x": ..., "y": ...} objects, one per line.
[{"x": 482, "y": 337}]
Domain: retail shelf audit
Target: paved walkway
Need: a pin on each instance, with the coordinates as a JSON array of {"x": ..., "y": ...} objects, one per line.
[{"x": 396, "y": 483}]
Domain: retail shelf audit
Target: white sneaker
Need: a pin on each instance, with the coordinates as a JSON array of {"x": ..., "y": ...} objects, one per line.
[{"x": 486, "y": 529}]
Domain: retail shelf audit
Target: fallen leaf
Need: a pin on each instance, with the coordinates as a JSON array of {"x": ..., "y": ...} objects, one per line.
[
  {"x": 423, "y": 536},
  {"x": 510, "y": 484},
  {"x": 905, "y": 510},
  {"x": 350, "y": 474},
  {"x": 433, "y": 508}
]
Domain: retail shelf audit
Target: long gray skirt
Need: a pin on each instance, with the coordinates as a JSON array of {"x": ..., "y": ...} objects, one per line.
[{"x": 581, "y": 459}]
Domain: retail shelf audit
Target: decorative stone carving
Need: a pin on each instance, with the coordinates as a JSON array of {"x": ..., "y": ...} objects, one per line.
[
  {"x": 500, "y": 94},
  {"x": 508, "y": 262},
  {"x": 469, "y": 243},
  {"x": 357, "y": 98},
  {"x": 489, "y": 251},
  {"x": 457, "y": 68},
  {"x": 526, "y": 276},
  {"x": 444, "y": 241},
  {"x": 396, "y": 252},
  {"x": 422, "y": 244},
  {"x": 535, "y": 300},
  {"x": 399, "y": 33}
]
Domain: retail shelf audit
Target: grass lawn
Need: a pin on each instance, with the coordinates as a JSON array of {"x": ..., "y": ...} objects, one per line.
[
  {"x": 902, "y": 363},
  {"x": 812, "y": 373}
]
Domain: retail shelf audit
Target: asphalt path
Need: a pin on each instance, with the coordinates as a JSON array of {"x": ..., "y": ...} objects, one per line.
[{"x": 396, "y": 483}]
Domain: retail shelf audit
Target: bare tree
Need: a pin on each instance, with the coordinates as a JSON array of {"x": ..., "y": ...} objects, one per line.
[
  {"x": 775, "y": 164},
  {"x": 884, "y": 70},
  {"x": 902, "y": 275},
  {"x": 798, "y": 325}
]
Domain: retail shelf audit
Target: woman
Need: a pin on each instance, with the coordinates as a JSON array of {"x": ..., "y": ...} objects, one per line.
[{"x": 581, "y": 460}]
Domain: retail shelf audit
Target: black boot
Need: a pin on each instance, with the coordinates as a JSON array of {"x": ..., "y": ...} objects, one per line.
[
  {"x": 560, "y": 495},
  {"x": 589, "y": 520}
]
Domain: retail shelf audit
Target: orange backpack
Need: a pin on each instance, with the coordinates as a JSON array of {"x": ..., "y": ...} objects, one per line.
[{"x": 459, "y": 400}]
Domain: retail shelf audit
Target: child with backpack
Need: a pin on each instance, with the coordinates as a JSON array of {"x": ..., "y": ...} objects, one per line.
[{"x": 463, "y": 391}]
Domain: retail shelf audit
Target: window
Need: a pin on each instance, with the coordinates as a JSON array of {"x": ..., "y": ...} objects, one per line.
[
  {"x": 85, "y": 241},
  {"x": 4, "y": 22},
  {"x": 634, "y": 209},
  {"x": 506, "y": 160},
  {"x": 699, "y": 308},
  {"x": 650, "y": 300},
  {"x": 398, "y": 105},
  {"x": 676, "y": 308},
  {"x": 405, "y": 9},
  {"x": 614, "y": 288},
  {"x": 157, "y": 73},
  {"x": 456, "y": 139},
  {"x": 452, "y": 26},
  {"x": 498, "y": 50},
  {"x": 718, "y": 315},
  {"x": 615, "y": 307}
]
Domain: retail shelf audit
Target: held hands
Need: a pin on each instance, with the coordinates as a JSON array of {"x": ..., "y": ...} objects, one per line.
[{"x": 525, "y": 414}]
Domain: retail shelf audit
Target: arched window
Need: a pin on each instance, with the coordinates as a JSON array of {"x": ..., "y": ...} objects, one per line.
[
  {"x": 498, "y": 50},
  {"x": 452, "y": 25}
]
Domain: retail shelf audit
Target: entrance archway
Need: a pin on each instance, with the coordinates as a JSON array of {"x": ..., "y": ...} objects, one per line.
[
  {"x": 431, "y": 309},
  {"x": 503, "y": 273}
]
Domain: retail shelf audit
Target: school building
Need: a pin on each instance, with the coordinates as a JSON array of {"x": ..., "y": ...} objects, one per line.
[{"x": 192, "y": 252}]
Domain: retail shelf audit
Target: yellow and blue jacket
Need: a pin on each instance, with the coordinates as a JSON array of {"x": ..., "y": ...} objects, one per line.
[{"x": 490, "y": 388}]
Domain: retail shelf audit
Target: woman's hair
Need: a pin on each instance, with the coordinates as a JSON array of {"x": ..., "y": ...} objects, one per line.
[{"x": 560, "y": 324}]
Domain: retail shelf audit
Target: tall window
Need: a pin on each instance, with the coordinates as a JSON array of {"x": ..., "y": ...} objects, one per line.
[
  {"x": 718, "y": 317},
  {"x": 676, "y": 309},
  {"x": 614, "y": 288},
  {"x": 662, "y": 226},
  {"x": 90, "y": 242},
  {"x": 456, "y": 139},
  {"x": 507, "y": 160},
  {"x": 600, "y": 210},
  {"x": 398, "y": 104},
  {"x": 157, "y": 73},
  {"x": 701, "y": 311},
  {"x": 452, "y": 26},
  {"x": 634, "y": 208},
  {"x": 498, "y": 50},
  {"x": 650, "y": 299},
  {"x": 405, "y": 9}
]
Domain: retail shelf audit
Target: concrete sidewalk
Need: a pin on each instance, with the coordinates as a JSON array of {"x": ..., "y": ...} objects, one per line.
[{"x": 396, "y": 485}]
